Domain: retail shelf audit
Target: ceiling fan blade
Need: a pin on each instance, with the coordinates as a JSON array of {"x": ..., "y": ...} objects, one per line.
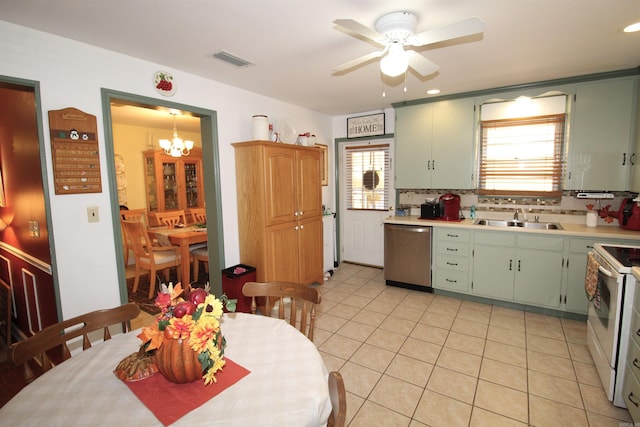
[
  {"x": 420, "y": 64},
  {"x": 358, "y": 61},
  {"x": 459, "y": 29},
  {"x": 358, "y": 28}
]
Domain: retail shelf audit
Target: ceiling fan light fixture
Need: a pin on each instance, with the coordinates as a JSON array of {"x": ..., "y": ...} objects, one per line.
[
  {"x": 632, "y": 28},
  {"x": 395, "y": 62}
]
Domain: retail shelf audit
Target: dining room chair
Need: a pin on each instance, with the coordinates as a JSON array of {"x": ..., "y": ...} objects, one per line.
[
  {"x": 198, "y": 255},
  {"x": 150, "y": 257},
  {"x": 131, "y": 215},
  {"x": 197, "y": 215},
  {"x": 170, "y": 219},
  {"x": 338, "y": 396},
  {"x": 52, "y": 342},
  {"x": 299, "y": 297}
]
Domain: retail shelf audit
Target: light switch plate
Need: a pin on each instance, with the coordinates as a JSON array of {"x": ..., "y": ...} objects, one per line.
[{"x": 92, "y": 214}]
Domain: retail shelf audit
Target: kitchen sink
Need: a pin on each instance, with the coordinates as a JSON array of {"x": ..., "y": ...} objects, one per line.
[{"x": 518, "y": 223}]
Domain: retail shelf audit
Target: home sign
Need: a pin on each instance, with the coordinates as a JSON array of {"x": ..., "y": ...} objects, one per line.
[{"x": 370, "y": 125}]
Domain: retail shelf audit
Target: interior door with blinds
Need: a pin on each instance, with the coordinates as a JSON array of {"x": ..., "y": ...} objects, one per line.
[{"x": 365, "y": 193}]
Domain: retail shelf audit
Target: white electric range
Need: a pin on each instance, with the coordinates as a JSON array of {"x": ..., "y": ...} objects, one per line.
[{"x": 609, "y": 316}]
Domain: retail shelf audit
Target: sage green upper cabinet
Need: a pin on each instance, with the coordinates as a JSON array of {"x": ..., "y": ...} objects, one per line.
[
  {"x": 601, "y": 135},
  {"x": 434, "y": 145}
]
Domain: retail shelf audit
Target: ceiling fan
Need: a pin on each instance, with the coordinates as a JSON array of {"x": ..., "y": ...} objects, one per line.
[{"x": 395, "y": 31}]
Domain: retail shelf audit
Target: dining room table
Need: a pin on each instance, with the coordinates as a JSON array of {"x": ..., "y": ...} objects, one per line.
[
  {"x": 284, "y": 382},
  {"x": 183, "y": 238}
]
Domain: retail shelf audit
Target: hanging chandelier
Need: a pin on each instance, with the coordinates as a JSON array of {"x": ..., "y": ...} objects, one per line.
[{"x": 176, "y": 147}]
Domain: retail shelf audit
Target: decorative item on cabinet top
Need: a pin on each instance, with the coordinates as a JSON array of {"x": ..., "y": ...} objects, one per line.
[{"x": 75, "y": 152}]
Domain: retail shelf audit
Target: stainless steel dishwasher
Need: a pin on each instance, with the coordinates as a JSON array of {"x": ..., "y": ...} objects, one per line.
[{"x": 407, "y": 256}]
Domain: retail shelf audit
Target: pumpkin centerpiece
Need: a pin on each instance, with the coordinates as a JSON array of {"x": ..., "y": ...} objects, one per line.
[{"x": 186, "y": 337}]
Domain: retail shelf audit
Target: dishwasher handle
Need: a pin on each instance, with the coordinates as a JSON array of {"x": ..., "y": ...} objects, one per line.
[{"x": 408, "y": 228}]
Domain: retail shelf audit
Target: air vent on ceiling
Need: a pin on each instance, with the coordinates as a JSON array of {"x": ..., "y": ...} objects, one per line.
[{"x": 231, "y": 59}]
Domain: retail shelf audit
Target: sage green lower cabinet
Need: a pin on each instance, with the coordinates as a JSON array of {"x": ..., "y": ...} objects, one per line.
[
  {"x": 493, "y": 271},
  {"x": 451, "y": 265},
  {"x": 521, "y": 268},
  {"x": 539, "y": 261}
]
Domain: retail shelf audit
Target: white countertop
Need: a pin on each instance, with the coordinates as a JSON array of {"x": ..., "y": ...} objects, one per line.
[{"x": 568, "y": 229}]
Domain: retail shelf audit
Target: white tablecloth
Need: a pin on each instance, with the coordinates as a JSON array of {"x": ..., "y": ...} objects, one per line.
[{"x": 287, "y": 385}]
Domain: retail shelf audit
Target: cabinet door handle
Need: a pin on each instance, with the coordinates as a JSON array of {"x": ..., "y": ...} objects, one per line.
[
  {"x": 451, "y": 281},
  {"x": 635, "y": 363},
  {"x": 631, "y": 400},
  {"x": 510, "y": 265},
  {"x": 433, "y": 164},
  {"x": 624, "y": 159},
  {"x": 632, "y": 159},
  {"x": 452, "y": 249},
  {"x": 452, "y": 263},
  {"x": 428, "y": 165},
  {"x": 301, "y": 213},
  {"x": 638, "y": 332},
  {"x": 452, "y": 235},
  {"x": 295, "y": 228},
  {"x": 519, "y": 265},
  {"x": 295, "y": 214}
]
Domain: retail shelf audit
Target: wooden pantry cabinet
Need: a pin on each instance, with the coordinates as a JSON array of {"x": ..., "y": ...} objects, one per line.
[
  {"x": 173, "y": 183},
  {"x": 280, "y": 210}
]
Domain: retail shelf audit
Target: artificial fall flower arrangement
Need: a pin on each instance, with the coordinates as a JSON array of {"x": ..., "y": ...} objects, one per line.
[
  {"x": 605, "y": 213},
  {"x": 186, "y": 329}
]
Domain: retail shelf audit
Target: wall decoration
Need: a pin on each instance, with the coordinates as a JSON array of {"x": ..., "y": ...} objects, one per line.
[
  {"x": 370, "y": 125},
  {"x": 164, "y": 84},
  {"x": 74, "y": 148},
  {"x": 324, "y": 164}
]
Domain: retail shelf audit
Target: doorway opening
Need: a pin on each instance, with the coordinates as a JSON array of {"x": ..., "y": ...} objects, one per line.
[{"x": 206, "y": 123}]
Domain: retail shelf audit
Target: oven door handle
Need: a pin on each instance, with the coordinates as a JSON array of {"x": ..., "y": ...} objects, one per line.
[{"x": 605, "y": 271}]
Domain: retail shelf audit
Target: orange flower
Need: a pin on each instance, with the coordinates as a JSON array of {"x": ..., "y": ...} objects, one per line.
[
  {"x": 152, "y": 335},
  {"x": 201, "y": 335},
  {"x": 180, "y": 328}
]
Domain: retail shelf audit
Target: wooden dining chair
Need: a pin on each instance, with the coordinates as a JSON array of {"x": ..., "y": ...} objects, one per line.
[
  {"x": 45, "y": 345},
  {"x": 197, "y": 215},
  {"x": 338, "y": 397},
  {"x": 150, "y": 257},
  {"x": 171, "y": 218},
  {"x": 131, "y": 215},
  {"x": 299, "y": 296},
  {"x": 199, "y": 255}
]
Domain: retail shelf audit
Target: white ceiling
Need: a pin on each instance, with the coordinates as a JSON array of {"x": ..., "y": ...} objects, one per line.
[{"x": 294, "y": 44}]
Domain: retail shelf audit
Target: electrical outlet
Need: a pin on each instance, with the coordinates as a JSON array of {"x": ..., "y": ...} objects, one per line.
[{"x": 92, "y": 214}]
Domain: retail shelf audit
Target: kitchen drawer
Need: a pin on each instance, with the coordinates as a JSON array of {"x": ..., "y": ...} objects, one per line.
[
  {"x": 452, "y": 234},
  {"x": 634, "y": 329},
  {"x": 451, "y": 280},
  {"x": 631, "y": 394},
  {"x": 452, "y": 262},
  {"x": 581, "y": 246},
  {"x": 453, "y": 248}
]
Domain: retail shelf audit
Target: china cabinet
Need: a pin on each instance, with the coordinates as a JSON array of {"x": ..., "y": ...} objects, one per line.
[
  {"x": 173, "y": 182},
  {"x": 280, "y": 210}
]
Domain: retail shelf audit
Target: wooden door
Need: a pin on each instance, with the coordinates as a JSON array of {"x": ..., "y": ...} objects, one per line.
[
  {"x": 281, "y": 257},
  {"x": 310, "y": 252},
  {"x": 280, "y": 184},
  {"x": 309, "y": 193}
]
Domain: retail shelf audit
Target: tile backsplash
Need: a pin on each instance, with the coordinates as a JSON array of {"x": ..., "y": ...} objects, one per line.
[{"x": 564, "y": 209}]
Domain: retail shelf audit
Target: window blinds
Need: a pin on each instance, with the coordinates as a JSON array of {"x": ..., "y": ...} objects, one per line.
[{"x": 367, "y": 177}]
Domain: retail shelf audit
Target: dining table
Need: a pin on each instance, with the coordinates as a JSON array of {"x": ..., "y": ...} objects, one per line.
[
  {"x": 183, "y": 238},
  {"x": 285, "y": 384}
]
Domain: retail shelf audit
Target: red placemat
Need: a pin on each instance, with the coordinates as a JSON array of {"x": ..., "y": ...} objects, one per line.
[{"x": 169, "y": 401}]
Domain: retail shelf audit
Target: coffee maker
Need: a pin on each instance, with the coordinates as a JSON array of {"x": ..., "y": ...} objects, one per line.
[{"x": 450, "y": 207}]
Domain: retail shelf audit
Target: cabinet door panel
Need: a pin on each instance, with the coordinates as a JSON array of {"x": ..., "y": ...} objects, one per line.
[
  {"x": 601, "y": 135},
  {"x": 282, "y": 247},
  {"x": 310, "y": 250},
  {"x": 452, "y": 152},
  {"x": 413, "y": 146},
  {"x": 538, "y": 277},
  {"x": 493, "y": 271},
  {"x": 309, "y": 195},
  {"x": 280, "y": 175}
]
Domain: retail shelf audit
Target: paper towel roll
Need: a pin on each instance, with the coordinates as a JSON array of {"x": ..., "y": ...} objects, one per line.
[
  {"x": 261, "y": 128},
  {"x": 592, "y": 219}
]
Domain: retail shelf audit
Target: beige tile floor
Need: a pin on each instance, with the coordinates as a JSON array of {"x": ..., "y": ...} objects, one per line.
[{"x": 412, "y": 358}]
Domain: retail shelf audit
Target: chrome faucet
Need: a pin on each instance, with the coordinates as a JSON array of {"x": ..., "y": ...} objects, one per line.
[{"x": 515, "y": 215}]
